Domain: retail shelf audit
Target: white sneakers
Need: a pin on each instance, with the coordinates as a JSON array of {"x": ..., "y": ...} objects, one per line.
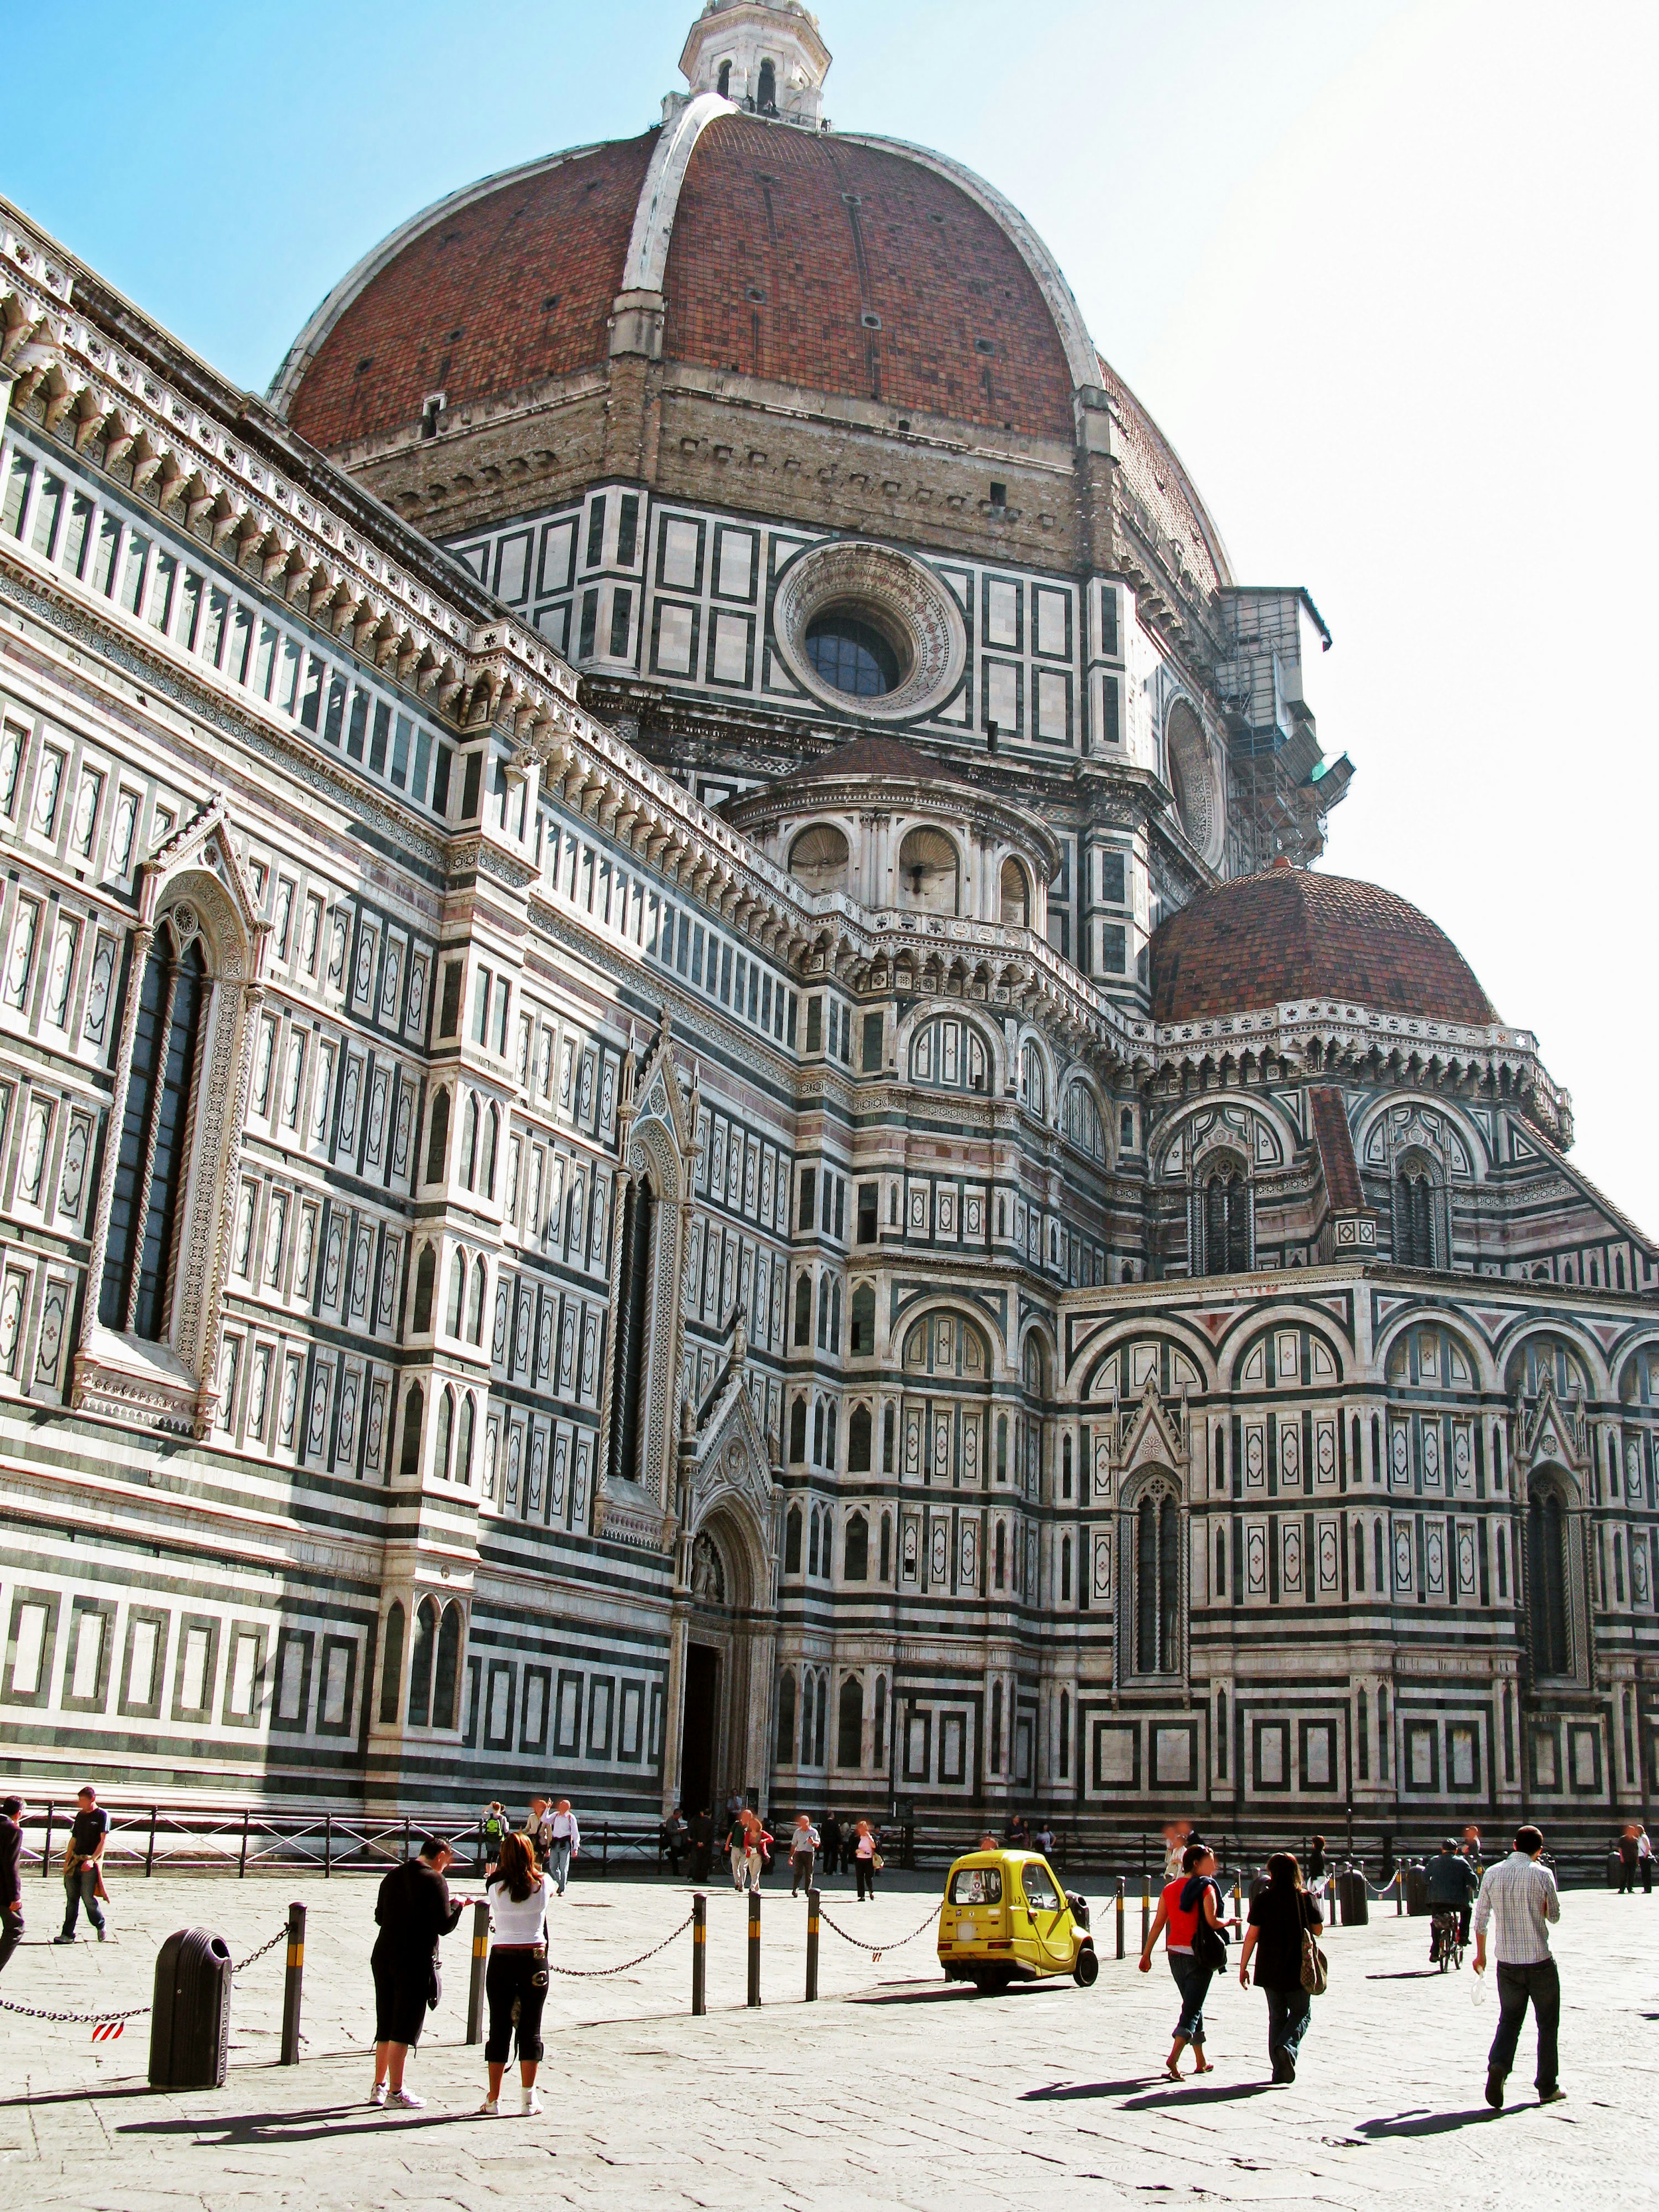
[
  {"x": 377, "y": 2094},
  {"x": 406, "y": 2101},
  {"x": 532, "y": 2104},
  {"x": 489, "y": 2110}
]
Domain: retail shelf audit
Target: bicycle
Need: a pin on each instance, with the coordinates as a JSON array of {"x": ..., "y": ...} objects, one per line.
[{"x": 1445, "y": 1940}]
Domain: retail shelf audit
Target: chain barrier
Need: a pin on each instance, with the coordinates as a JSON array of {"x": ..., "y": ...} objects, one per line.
[
  {"x": 877, "y": 1949},
  {"x": 134, "y": 2011},
  {"x": 602, "y": 1973}
]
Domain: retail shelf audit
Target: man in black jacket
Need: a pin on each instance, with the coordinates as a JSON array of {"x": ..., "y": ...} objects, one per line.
[
  {"x": 413, "y": 1911},
  {"x": 11, "y": 1887}
]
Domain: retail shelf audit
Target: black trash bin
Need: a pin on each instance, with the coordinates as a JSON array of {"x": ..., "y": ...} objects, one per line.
[
  {"x": 1416, "y": 1889},
  {"x": 190, "y": 2019},
  {"x": 1351, "y": 1900},
  {"x": 1615, "y": 1868}
]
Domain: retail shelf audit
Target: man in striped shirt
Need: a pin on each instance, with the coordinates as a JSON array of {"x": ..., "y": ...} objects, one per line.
[{"x": 1519, "y": 1893}]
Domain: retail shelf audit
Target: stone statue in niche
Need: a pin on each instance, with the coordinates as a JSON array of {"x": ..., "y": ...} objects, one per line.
[{"x": 707, "y": 1571}]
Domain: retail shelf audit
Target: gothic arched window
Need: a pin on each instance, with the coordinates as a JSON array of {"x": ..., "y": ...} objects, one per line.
[
  {"x": 476, "y": 1303},
  {"x": 1225, "y": 1238},
  {"x": 767, "y": 101},
  {"x": 136, "y": 1292},
  {"x": 791, "y": 1532},
  {"x": 414, "y": 1405},
  {"x": 1548, "y": 1582},
  {"x": 445, "y": 1430},
  {"x": 798, "y": 1432},
  {"x": 392, "y": 1666},
  {"x": 426, "y": 1272},
  {"x": 787, "y": 1719},
  {"x": 849, "y": 1724},
  {"x": 437, "y": 1148},
  {"x": 446, "y": 1670},
  {"x": 864, "y": 1321},
  {"x": 855, "y": 1550},
  {"x": 1158, "y": 1584},
  {"x": 723, "y": 86},
  {"x": 1414, "y": 1213},
  {"x": 857, "y": 1441},
  {"x": 632, "y": 1292},
  {"x": 457, "y": 1293},
  {"x": 419, "y": 1667}
]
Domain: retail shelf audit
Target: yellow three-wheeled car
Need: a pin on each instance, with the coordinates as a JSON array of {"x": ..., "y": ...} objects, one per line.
[{"x": 1006, "y": 1919}]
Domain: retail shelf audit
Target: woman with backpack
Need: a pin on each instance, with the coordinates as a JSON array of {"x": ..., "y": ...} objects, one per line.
[
  {"x": 1286, "y": 1923},
  {"x": 1190, "y": 1920},
  {"x": 515, "y": 1980}
]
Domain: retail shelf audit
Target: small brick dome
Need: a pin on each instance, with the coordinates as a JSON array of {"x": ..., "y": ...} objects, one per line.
[{"x": 1289, "y": 933}]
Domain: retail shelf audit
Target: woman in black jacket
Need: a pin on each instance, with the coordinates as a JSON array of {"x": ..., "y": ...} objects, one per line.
[
  {"x": 1278, "y": 1916},
  {"x": 413, "y": 1911}
]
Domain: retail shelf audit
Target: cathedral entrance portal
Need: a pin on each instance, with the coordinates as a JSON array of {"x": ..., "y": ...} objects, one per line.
[{"x": 702, "y": 1675}]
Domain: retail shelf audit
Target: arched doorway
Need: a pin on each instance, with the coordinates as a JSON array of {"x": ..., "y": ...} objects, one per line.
[{"x": 721, "y": 1662}]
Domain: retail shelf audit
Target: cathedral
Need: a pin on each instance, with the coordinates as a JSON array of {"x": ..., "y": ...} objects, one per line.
[{"x": 681, "y": 1105}]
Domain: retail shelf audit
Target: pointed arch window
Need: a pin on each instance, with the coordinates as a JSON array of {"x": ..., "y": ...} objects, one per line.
[
  {"x": 475, "y": 1303},
  {"x": 767, "y": 100},
  {"x": 419, "y": 1669},
  {"x": 1415, "y": 1214},
  {"x": 426, "y": 1275},
  {"x": 632, "y": 1303},
  {"x": 469, "y": 1140},
  {"x": 414, "y": 1406},
  {"x": 1226, "y": 1227},
  {"x": 437, "y": 1148},
  {"x": 849, "y": 1724},
  {"x": 878, "y": 1746},
  {"x": 1158, "y": 1584},
  {"x": 464, "y": 1452},
  {"x": 824, "y": 1717},
  {"x": 723, "y": 86},
  {"x": 886, "y": 1549},
  {"x": 140, "y": 1260},
  {"x": 787, "y": 1719},
  {"x": 855, "y": 1550},
  {"x": 798, "y": 1432},
  {"x": 392, "y": 1666},
  {"x": 446, "y": 1432},
  {"x": 792, "y": 1540},
  {"x": 445, "y": 1674},
  {"x": 857, "y": 1441},
  {"x": 457, "y": 1293},
  {"x": 1548, "y": 1582}
]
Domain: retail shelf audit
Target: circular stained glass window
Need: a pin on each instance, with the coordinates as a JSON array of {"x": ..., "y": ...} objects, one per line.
[{"x": 851, "y": 655}]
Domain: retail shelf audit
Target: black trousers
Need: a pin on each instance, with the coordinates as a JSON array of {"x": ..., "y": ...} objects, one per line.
[
  {"x": 11, "y": 1931},
  {"x": 515, "y": 1983},
  {"x": 1539, "y": 1985},
  {"x": 866, "y": 1875}
]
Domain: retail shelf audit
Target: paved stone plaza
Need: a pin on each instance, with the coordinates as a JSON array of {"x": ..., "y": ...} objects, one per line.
[{"x": 893, "y": 2088}]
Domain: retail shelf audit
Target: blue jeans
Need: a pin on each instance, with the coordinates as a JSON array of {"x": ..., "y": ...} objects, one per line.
[
  {"x": 558, "y": 1862},
  {"x": 1288, "y": 2014},
  {"x": 81, "y": 1888},
  {"x": 1193, "y": 1983}
]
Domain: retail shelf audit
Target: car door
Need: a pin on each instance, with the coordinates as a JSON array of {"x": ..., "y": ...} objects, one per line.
[{"x": 1051, "y": 1915}]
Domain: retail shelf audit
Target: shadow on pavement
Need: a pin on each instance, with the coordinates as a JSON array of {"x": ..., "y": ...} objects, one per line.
[
  {"x": 1207, "y": 2096},
  {"x": 1059, "y": 2092},
  {"x": 1411, "y": 1974},
  {"x": 321, "y": 2122},
  {"x": 1425, "y": 2123}
]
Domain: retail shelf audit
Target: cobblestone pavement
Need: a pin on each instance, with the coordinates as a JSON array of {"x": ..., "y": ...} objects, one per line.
[{"x": 893, "y": 2088}]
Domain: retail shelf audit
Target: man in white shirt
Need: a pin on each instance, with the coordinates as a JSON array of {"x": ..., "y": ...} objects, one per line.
[
  {"x": 1519, "y": 1894},
  {"x": 566, "y": 1844}
]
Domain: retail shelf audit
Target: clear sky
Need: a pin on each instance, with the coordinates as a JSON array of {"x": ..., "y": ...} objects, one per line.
[{"x": 1383, "y": 271}]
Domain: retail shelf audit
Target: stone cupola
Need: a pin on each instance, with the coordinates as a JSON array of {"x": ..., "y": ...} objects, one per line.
[{"x": 762, "y": 55}]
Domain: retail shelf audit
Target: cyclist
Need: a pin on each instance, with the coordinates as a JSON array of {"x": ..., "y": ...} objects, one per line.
[{"x": 1452, "y": 1885}]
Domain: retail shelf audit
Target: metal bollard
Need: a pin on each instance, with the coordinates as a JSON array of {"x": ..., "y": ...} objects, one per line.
[
  {"x": 811, "y": 1946},
  {"x": 754, "y": 1946},
  {"x": 1145, "y": 1913},
  {"x": 1238, "y": 1904},
  {"x": 293, "y": 1981},
  {"x": 1120, "y": 1915},
  {"x": 1399, "y": 1891},
  {"x": 699, "y": 1954},
  {"x": 475, "y": 1994},
  {"x": 46, "y": 1847}
]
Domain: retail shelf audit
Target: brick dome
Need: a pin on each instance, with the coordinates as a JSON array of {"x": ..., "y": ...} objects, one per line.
[
  {"x": 1288, "y": 934},
  {"x": 850, "y": 265}
]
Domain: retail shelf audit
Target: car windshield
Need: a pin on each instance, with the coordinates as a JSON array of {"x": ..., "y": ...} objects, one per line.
[
  {"x": 976, "y": 1885},
  {"x": 1039, "y": 1887}
]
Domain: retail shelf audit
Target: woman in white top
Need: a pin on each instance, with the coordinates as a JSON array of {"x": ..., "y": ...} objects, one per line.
[{"x": 517, "y": 1973}]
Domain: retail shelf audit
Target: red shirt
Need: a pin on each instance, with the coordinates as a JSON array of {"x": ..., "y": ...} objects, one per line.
[{"x": 1179, "y": 1927}]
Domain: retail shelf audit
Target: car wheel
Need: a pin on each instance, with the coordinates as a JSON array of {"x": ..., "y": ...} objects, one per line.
[{"x": 1087, "y": 1969}]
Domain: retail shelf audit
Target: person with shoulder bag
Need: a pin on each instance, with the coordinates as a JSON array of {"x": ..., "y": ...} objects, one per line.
[
  {"x": 412, "y": 1910},
  {"x": 1190, "y": 1920},
  {"x": 1285, "y": 1925},
  {"x": 515, "y": 1980}
]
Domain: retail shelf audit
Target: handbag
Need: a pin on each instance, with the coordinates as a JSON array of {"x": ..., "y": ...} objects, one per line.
[
  {"x": 877, "y": 1862},
  {"x": 1209, "y": 1943},
  {"x": 1316, "y": 1967}
]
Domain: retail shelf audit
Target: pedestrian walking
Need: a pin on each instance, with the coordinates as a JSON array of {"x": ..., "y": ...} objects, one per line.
[
  {"x": 1192, "y": 1896},
  {"x": 515, "y": 1980},
  {"x": 1177, "y": 1835},
  {"x": 1519, "y": 1895},
  {"x": 84, "y": 1865},
  {"x": 804, "y": 1840},
  {"x": 496, "y": 1832},
  {"x": 564, "y": 1843},
  {"x": 538, "y": 1827},
  {"x": 1317, "y": 1872},
  {"x": 867, "y": 1861},
  {"x": 832, "y": 1842},
  {"x": 672, "y": 1839},
  {"x": 1629, "y": 1858},
  {"x": 1645, "y": 1853},
  {"x": 1281, "y": 1914},
  {"x": 11, "y": 1882},
  {"x": 701, "y": 1829},
  {"x": 413, "y": 1911}
]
